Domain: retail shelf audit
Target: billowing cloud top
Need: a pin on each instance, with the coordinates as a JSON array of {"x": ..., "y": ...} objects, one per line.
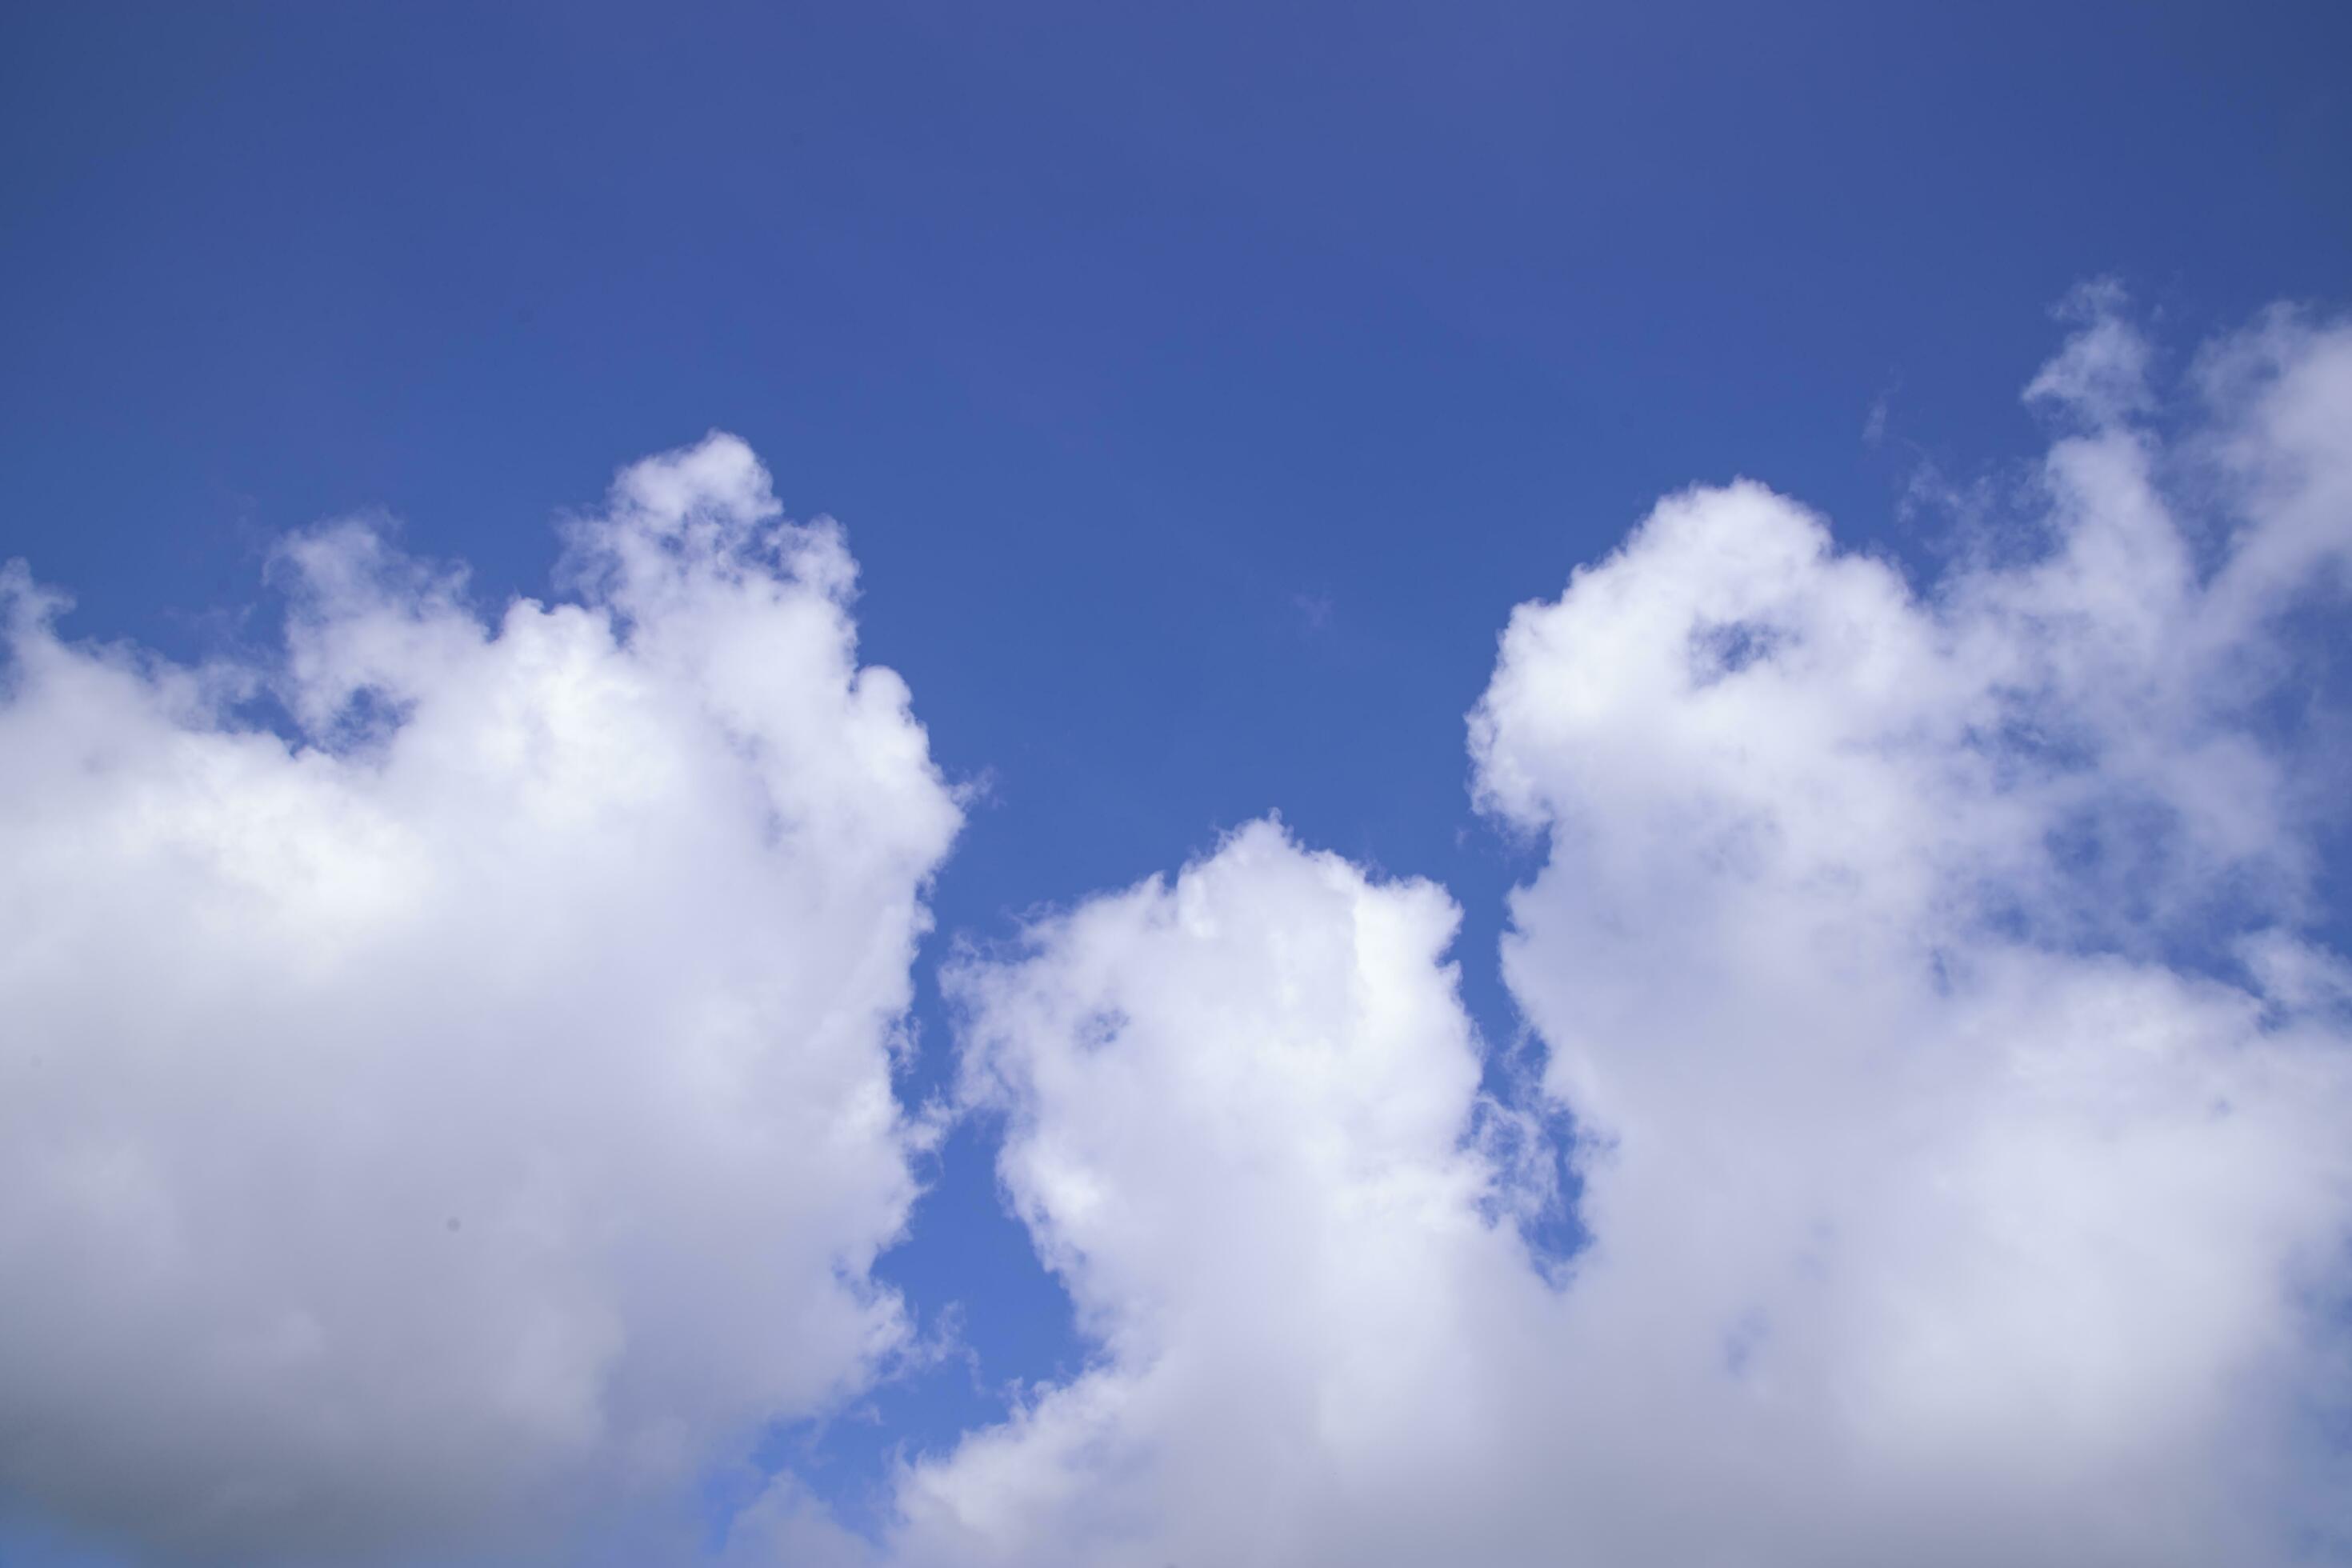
[
  {"x": 1959, "y": 1096},
  {"x": 479, "y": 1100}
]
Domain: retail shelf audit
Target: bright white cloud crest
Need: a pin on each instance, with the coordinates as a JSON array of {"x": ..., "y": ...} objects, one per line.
[
  {"x": 1963, "y": 1124},
  {"x": 485, "y": 1096}
]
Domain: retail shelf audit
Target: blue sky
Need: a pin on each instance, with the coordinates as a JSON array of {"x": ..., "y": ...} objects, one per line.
[{"x": 1199, "y": 389}]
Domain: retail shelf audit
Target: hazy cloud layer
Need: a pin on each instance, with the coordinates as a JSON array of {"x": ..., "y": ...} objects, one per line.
[
  {"x": 476, "y": 1108},
  {"x": 1962, "y": 1111}
]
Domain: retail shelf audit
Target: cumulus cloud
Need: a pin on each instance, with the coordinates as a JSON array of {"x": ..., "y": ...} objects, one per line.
[
  {"x": 1961, "y": 1096},
  {"x": 470, "y": 1097},
  {"x": 1235, "y": 1112},
  {"x": 467, "y": 1101}
]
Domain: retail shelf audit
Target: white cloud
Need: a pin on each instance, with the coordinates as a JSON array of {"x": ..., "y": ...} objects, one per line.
[
  {"x": 479, "y": 1107},
  {"x": 1235, "y": 1112},
  {"x": 1964, "y": 1119},
  {"x": 479, "y": 1110}
]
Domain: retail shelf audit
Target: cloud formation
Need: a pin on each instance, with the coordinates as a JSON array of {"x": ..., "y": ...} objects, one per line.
[
  {"x": 471, "y": 1105},
  {"x": 475, "y": 1103},
  {"x": 1960, "y": 1097}
]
